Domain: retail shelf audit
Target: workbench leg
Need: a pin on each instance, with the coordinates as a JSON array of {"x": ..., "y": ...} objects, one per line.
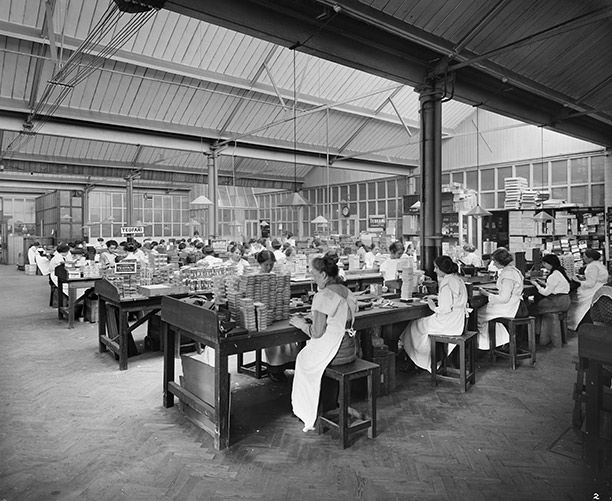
[
  {"x": 169, "y": 338},
  {"x": 71, "y": 303},
  {"x": 594, "y": 397},
  {"x": 60, "y": 299},
  {"x": 101, "y": 324},
  {"x": 222, "y": 395},
  {"x": 123, "y": 327}
]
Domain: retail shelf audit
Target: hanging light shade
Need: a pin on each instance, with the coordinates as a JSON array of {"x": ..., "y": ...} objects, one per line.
[
  {"x": 295, "y": 199},
  {"x": 319, "y": 220},
  {"x": 201, "y": 200},
  {"x": 66, "y": 217},
  {"x": 543, "y": 216},
  {"x": 478, "y": 211}
]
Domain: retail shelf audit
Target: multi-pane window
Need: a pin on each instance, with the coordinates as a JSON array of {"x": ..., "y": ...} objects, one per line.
[{"x": 576, "y": 180}]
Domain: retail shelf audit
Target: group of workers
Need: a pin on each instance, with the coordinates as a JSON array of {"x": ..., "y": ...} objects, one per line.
[{"x": 334, "y": 306}]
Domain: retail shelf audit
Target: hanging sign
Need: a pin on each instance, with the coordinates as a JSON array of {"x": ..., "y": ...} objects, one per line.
[
  {"x": 377, "y": 222},
  {"x": 132, "y": 230},
  {"x": 219, "y": 246},
  {"x": 125, "y": 267}
]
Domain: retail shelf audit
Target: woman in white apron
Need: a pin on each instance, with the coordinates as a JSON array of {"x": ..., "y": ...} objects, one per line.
[
  {"x": 595, "y": 275},
  {"x": 332, "y": 306},
  {"x": 448, "y": 318},
  {"x": 503, "y": 304}
]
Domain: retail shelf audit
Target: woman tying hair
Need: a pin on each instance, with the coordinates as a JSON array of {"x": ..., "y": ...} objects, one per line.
[
  {"x": 448, "y": 318},
  {"x": 553, "y": 297},
  {"x": 332, "y": 306}
]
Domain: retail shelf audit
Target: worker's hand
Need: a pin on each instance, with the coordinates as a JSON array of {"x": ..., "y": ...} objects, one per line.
[{"x": 300, "y": 323}]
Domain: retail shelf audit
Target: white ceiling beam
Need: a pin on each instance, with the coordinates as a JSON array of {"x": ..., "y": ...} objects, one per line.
[{"x": 69, "y": 43}]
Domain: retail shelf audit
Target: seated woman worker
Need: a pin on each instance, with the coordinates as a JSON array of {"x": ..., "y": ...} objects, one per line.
[
  {"x": 553, "y": 297},
  {"x": 448, "y": 318},
  {"x": 332, "y": 306}
]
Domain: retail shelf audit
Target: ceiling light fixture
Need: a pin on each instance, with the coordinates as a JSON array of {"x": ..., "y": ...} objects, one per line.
[{"x": 477, "y": 211}]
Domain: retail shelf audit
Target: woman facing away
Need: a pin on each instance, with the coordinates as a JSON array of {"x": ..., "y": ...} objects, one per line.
[
  {"x": 448, "y": 317},
  {"x": 552, "y": 297},
  {"x": 278, "y": 357},
  {"x": 504, "y": 303},
  {"x": 332, "y": 306},
  {"x": 595, "y": 276}
]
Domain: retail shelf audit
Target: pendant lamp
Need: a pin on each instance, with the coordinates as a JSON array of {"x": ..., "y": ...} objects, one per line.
[
  {"x": 296, "y": 199},
  {"x": 543, "y": 217},
  {"x": 477, "y": 211}
]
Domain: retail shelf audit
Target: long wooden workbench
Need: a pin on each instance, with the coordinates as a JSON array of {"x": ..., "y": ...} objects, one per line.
[{"x": 201, "y": 325}]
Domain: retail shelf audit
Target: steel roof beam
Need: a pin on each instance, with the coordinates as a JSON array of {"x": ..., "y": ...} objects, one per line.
[
  {"x": 21, "y": 32},
  {"x": 367, "y": 39}
]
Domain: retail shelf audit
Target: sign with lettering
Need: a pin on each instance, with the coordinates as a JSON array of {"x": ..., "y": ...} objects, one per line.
[
  {"x": 377, "y": 222},
  {"x": 125, "y": 267},
  {"x": 219, "y": 246},
  {"x": 132, "y": 230}
]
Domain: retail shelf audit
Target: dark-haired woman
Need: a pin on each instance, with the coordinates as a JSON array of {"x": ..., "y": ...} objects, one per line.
[
  {"x": 389, "y": 267},
  {"x": 504, "y": 303},
  {"x": 278, "y": 357},
  {"x": 332, "y": 306},
  {"x": 236, "y": 251},
  {"x": 554, "y": 296},
  {"x": 448, "y": 317},
  {"x": 595, "y": 276}
]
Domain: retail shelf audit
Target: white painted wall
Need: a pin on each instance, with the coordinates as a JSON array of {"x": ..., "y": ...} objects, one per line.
[{"x": 505, "y": 140}]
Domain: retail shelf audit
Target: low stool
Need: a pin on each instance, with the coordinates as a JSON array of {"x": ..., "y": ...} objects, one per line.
[
  {"x": 257, "y": 369},
  {"x": 514, "y": 353},
  {"x": 467, "y": 371},
  {"x": 340, "y": 419}
]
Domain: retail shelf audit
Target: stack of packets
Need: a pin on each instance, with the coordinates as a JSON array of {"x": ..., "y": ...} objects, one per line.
[
  {"x": 247, "y": 313},
  {"x": 261, "y": 316},
  {"x": 269, "y": 292}
]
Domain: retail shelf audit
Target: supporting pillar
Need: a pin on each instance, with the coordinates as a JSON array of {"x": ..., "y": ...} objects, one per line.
[
  {"x": 212, "y": 194},
  {"x": 129, "y": 200},
  {"x": 431, "y": 174}
]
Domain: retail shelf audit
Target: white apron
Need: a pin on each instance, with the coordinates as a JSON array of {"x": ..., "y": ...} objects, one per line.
[
  {"x": 448, "y": 320},
  {"x": 318, "y": 353},
  {"x": 595, "y": 275},
  {"x": 494, "y": 310}
]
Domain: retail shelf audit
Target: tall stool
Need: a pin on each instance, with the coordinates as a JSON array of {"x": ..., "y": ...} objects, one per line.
[
  {"x": 514, "y": 353},
  {"x": 561, "y": 317},
  {"x": 467, "y": 372},
  {"x": 340, "y": 419},
  {"x": 257, "y": 369}
]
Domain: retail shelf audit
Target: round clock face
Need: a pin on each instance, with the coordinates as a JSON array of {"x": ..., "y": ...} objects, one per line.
[{"x": 346, "y": 211}]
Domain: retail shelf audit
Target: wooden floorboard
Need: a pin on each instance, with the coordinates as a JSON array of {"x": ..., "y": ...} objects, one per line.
[{"x": 72, "y": 426}]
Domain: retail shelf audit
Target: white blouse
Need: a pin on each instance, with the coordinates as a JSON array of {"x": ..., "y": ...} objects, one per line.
[{"x": 555, "y": 284}]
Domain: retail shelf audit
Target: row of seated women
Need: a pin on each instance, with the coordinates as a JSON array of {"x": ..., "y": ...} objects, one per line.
[{"x": 450, "y": 312}]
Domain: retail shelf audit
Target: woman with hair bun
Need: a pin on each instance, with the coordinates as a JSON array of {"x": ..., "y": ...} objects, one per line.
[
  {"x": 333, "y": 306},
  {"x": 595, "y": 275},
  {"x": 448, "y": 318},
  {"x": 504, "y": 303}
]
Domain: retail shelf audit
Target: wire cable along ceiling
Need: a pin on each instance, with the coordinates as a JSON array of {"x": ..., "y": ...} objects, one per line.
[{"x": 102, "y": 42}]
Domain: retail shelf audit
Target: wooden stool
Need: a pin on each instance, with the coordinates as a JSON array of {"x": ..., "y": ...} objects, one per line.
[
  {"x": 465, "y": 374},
  {"x": 562, "y": 316},
  {"x": 514, "y": 353},
  {"x": 257, "y": 369},
  {"x": 339, "y": 419}
]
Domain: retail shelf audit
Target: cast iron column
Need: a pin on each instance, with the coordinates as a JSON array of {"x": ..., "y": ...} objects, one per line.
[
  {"x": 431, "y": 174},
  {"x": 212, "y": 194}
]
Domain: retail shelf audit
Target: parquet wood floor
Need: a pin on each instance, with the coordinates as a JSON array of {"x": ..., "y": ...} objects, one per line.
[{"x": 72, "y": 426}]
